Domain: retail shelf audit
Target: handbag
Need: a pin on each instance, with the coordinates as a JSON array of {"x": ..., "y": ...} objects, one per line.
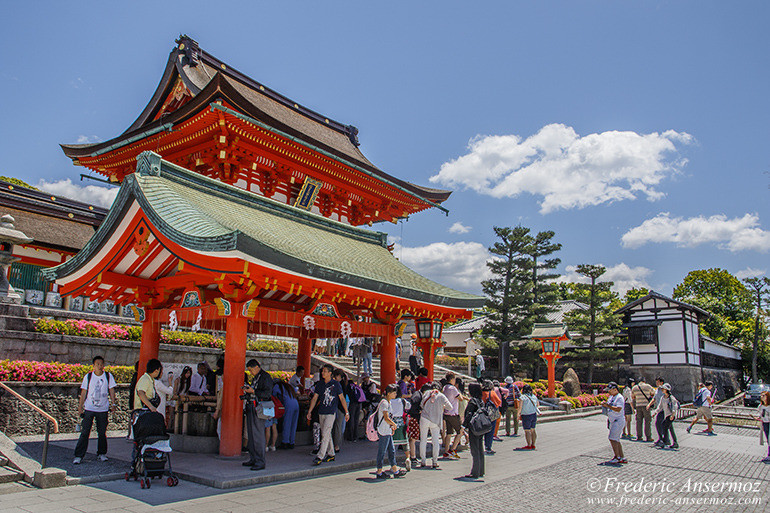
[{"x": 264, "y": 409}]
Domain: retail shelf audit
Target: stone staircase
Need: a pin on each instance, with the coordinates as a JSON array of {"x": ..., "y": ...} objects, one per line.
[
  {"x": 11, "y": 479},
  {"x": 346, "y": 364}
]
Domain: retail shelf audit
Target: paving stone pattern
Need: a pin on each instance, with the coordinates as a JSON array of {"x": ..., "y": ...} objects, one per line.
[{"x": 567, "y": 483}]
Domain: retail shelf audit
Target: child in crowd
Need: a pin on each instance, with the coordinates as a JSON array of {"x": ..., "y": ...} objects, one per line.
[{"x": 385, "y": 429}]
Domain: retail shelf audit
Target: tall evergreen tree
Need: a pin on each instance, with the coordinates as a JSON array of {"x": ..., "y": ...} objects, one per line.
[
  {"x": 758, "y": 287},
  {"x": 509, "y": 291},
  {"x": 545, "y": 291},
  {"x": 597, "y": 325}
]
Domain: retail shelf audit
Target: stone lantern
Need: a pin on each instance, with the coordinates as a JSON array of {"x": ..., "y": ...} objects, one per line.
[{"x": 8, "y": 237}]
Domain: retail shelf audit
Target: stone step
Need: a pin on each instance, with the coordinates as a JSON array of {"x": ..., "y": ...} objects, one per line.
[
  {"x": 9, "y": 475},
  {"x": 15, "y": 487}
]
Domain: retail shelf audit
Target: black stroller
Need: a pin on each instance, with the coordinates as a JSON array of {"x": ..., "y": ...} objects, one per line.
[{"x": 151, "y": 454}]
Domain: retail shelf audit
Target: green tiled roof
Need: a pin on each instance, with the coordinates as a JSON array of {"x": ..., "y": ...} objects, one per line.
[{"x": 204, "y": 214}]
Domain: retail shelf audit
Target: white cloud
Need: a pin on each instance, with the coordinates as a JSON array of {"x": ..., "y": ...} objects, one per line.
[
  {"x": 91, "y": 194},
  {"x": 460, "y": 265},
  {"x": 458, "y": 227},
  {"x": 567, "y": 170},
  {"x": 736, "y": 234},
  {"x": 88, "y": 139},
  {"x": 750, "y": 273},
  {"x": 623, "y": 276}
]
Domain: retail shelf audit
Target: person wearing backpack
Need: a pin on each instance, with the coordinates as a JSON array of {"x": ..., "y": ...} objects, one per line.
[
  {"x": 704, "y": 401},
  {"x": 512, "y": 412},
  {"x": 97, "y": 397},
  {"x": 413, "y": 423},
  {"x": 385, "y": 428},
  {"x": 356, "y": 398},
  {"x": 476, "y": 442},
  {"x": 434, "y": 404}
]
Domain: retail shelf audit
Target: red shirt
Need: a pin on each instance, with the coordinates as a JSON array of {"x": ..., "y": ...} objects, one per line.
[{"x": 421, "y": 380}]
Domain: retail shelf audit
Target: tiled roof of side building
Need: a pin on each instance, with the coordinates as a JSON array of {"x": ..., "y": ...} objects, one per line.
[{"x": 201, "y": 213}]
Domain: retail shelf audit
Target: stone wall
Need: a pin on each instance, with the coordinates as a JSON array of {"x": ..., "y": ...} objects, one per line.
[
  {"x": 47, "y": 347},
  {"x": 60, "y": 400}
]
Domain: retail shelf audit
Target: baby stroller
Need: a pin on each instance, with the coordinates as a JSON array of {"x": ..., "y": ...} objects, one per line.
[{"x": 152, "y": 451}]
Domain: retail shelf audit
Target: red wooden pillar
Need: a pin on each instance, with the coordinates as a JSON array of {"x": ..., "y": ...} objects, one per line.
[
  {"x": 230, "y": 442},
  {"x": 150, "y": 345},
  {"x": 388, "y": 359},
  {"x": 304, "y": 351},
  {"x": 428, "y": 355}
]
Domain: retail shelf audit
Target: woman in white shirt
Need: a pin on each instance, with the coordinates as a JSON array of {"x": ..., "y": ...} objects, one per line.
[
  {"x": 385, "y": 429},
  {"x": 763, "y": 410},
  {"x": 615, "y": 406}
]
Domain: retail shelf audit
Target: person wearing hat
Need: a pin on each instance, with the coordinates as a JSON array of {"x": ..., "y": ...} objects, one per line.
[
  {"x": 615, "y": 408},
  {"x": 667, "y": 408},
  {"x": 479, "y": 364},
  {"x": 513, "y": 399},
  {"x": 628, "y": 397}
]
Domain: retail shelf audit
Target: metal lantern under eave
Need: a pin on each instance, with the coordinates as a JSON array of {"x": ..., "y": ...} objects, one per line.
[
  {"x": 429, "y": 340},
  {"x": 550, "y": 346}
]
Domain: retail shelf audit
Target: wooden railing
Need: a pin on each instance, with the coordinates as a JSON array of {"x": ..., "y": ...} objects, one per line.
[{"x": 49, "y": 420}]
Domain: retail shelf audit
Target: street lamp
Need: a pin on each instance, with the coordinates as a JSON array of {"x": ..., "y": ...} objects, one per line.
[
  {"x": 550, "y": 337},
  {"x": 8, "y": 237}
]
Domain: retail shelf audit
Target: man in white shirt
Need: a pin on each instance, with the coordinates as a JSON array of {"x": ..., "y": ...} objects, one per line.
[
  {"x": 298, "y": 380},
  {"x": 97, "y": 397},
  {"x": 198, "y": 384},
  {"x": 480, "y": 367}
]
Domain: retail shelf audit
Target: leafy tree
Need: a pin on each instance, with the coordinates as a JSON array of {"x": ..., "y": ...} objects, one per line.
[
  {"x": 725, "y": 297},
  {"x": 16, "y": 181},
  {"x": 509, "y": 291},
  {"x": 597, "y": 325},
  {"x": 634, "y": 294},
  {"x": 758, "y": 287}
]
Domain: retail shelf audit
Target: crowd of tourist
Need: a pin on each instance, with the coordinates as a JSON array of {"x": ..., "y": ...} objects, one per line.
[{"x": 407, "y": 415}]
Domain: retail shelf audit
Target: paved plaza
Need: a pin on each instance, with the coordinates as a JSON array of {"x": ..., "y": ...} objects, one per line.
[{"x": 566, "y": 473}]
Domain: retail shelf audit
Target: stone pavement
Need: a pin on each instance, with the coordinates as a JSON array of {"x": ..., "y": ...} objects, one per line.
[{"x": 566, "y": 473}]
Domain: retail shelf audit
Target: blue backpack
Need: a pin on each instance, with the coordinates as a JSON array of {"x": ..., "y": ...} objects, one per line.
[{"x": 699, "y": 400}]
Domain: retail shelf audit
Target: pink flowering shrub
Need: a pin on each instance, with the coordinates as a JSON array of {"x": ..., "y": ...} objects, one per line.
[
  {"x": 55, "y": 372},
  {"x": 94, "y": 329}
]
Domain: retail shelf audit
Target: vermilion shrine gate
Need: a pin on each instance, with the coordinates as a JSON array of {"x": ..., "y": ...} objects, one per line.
[{"x": 239, "y": 211}]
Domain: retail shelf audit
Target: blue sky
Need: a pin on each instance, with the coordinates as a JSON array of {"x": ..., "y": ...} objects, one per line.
[{"x": 637, "y": 131}]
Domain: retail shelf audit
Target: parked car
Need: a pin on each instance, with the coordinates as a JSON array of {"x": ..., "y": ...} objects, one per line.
[{"x": 752, "y": 394}]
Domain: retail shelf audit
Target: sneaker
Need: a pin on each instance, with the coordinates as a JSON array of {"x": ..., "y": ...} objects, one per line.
[
  {"x": 400, "y": 473},
  {"x": 435, "y": 466},
  {"x": 455, "y": 455},
  {"x": 613, "y": 461},
  {"x": 328, "y": 459},
  {"x": 622, "y": 461},
  {"x": 77, "y": 461},
  {"x": 710, "y": 433},
  {"x": 103, "y": 457},
  {"x": 673, "y": 446},
  {"x": 317, "y": 461},
  {"x": 688, "y": 428},
  {"x": 497, "y": 439},
  {"x": 383, "y": 475},
  {"x": 408, "y": 464},
  {"x": 490, "y": 452},
  {"x": 446, "y": 455}
]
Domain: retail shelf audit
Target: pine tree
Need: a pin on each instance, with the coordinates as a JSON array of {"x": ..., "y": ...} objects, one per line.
[
  {"x": 594, "y": 324},
  {"x": 758, "y": 287},
  {"x": 509, "y": 291}
]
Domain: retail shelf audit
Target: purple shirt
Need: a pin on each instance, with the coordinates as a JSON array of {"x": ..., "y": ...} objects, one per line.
[
  {"x": 453, "y": 395},
  {"x": 405, "y": 388}
]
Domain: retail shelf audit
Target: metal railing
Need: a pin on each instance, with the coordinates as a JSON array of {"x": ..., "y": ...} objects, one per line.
[
  {"x": 49, "y": 420},
  {"x": 729, "y": 412}
]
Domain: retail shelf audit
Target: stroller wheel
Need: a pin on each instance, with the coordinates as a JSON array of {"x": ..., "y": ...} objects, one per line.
[
  {"x": 128, "y": 476},
  {"x": 148, "y": 483},
  {"x": 176, "y": 480},
  {"x": 141, "y": 483},
  {"x": 170, "y": 481}
]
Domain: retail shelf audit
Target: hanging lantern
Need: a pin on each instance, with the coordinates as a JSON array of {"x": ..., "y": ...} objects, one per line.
[{"x": 429, "y": 328}]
